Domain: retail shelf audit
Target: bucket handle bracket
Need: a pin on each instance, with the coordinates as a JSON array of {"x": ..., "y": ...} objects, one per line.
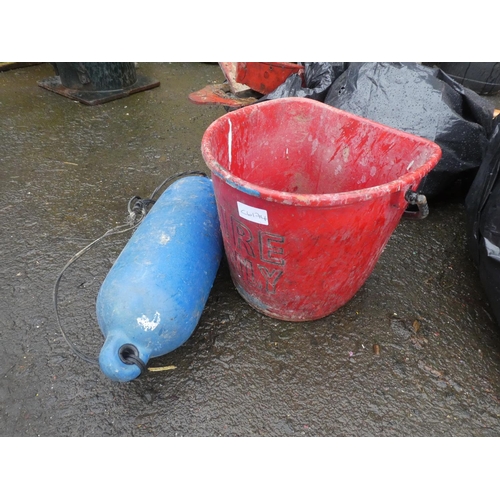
[{"x": 414, "y": 198}]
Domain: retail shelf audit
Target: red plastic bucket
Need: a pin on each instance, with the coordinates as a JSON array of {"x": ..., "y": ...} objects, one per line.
[{"x": 308, "y": 196}]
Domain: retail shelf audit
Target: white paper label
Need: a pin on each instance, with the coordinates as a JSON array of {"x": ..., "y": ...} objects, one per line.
[{"x": 252, "y": 214}]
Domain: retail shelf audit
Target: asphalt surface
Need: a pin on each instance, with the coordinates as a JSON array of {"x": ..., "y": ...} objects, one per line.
[{"x": 415, "y": 353}]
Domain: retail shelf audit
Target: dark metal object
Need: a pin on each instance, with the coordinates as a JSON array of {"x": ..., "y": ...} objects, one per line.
[
  {"x": 97, "y": 83},
  {"x": 420, "y": 201},
  {"x": 481, "y": 77}
]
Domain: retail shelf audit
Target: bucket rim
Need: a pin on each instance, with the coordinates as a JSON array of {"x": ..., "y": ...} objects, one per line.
[{"x": 404, "y": 182}]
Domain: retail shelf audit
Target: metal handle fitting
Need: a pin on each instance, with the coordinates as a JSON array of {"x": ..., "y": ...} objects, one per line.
[{"x": 414, "y": 198}]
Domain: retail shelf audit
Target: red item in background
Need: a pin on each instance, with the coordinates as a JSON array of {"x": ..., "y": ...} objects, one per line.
[{"x": 265, "y": 77}]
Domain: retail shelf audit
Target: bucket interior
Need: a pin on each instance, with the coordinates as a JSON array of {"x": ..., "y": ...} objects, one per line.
[{"x": 304, "y": 147}]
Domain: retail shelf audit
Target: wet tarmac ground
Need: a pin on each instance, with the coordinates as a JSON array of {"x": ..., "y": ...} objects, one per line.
[{"x": 415, "y": 353}]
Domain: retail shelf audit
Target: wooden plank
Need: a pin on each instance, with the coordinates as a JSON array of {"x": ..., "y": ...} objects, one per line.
[{"x": 5, "y": 66}]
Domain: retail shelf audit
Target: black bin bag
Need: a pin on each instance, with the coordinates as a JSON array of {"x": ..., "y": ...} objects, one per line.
[
  {"x": 425, "y": 102},
  {"x": 482, "y": 208},
  {"x": 318, "y": 77}
]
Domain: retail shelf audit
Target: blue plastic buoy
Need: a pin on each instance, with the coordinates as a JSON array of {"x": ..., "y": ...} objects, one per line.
[{"x": 154, "y": 294}]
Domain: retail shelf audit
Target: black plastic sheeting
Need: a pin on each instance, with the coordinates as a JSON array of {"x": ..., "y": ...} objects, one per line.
[
  {"x": 417, "y": 99},
  {"x": 482, "y": 207},
  {"x": 318, "y": 78}
]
